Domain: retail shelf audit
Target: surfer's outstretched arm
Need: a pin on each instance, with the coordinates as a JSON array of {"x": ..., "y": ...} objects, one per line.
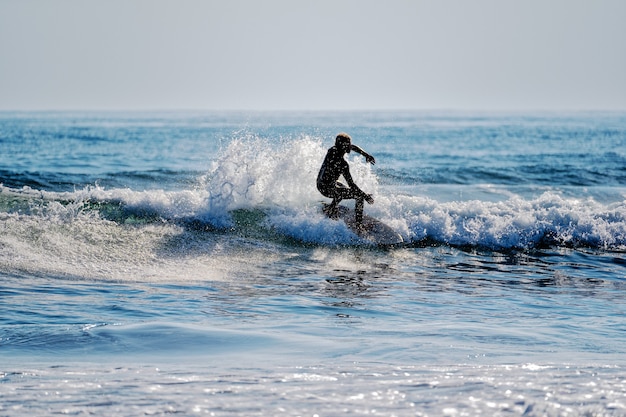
[{"x": 369, "y": 158}]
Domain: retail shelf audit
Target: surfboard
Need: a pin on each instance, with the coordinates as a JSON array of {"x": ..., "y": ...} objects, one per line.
[{"x": 372, "y": 230}]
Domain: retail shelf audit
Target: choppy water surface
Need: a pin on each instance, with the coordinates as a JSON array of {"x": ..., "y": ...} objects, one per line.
[{"x": 177, "y": 263}]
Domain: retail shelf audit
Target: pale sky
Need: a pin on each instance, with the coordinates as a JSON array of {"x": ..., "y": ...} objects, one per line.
[{"x": 313, "y": 55}]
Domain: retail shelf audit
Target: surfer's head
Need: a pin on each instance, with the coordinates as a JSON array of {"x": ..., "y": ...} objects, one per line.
[{"x": 343, "y": 141}]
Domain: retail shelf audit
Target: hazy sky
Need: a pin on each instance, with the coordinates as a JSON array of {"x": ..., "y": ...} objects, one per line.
[{"x": 317, "y": 54}]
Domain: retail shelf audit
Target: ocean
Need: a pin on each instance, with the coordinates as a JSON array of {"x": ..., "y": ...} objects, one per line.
[{"x": 154, "y": 263}]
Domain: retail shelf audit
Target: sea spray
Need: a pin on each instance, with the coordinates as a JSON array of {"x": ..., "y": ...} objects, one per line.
[{"x": 253, "y": 172}]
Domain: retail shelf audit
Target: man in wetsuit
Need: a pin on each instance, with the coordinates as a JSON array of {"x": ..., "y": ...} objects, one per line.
[{"x": 334, "y": 166}]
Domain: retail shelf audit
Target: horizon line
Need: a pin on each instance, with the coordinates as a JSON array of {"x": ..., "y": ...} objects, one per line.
[{"x": 313, "y": 110}]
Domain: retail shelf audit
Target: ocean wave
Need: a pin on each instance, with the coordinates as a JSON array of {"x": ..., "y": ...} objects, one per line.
[
  {"x": 515, "y": 223},
  {"x": 267, "y": 190}
]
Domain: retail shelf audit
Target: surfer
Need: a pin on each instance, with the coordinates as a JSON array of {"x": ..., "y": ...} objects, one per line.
[{"x": 328, "y": 178}]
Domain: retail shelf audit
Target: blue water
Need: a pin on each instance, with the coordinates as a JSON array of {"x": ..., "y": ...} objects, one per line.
[{"x": 157, "y": 263}]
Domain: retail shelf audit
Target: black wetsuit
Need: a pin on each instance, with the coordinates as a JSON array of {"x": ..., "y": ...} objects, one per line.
[{"x": 333, "y": 167}]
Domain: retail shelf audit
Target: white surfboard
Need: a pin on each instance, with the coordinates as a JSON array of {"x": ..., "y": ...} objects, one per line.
[{"x": 371, "y": 229}]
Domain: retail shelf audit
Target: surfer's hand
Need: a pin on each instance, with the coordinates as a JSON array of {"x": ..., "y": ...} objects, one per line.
[
  {"x": 369, "y": 198},
  {"x": 369, "y": 158}
]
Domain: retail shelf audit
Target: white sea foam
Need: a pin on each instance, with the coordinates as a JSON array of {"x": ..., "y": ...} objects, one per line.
[
  {"x": 252, "y": 174},
  {"x": 278, "y": 178}
]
